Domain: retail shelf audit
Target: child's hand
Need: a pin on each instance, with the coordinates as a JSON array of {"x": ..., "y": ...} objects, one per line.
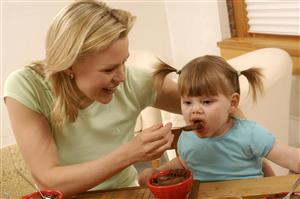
[{"x": 145, "y": 174}]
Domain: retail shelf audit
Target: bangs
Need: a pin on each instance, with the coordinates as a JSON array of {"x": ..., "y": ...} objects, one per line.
[{"x": 202, "y": 80}]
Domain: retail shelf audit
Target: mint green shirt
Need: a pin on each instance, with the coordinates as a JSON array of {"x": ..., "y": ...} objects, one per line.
[{"x": 99, "y": 128}]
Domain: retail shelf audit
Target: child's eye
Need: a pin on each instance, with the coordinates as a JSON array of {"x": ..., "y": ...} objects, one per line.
[
  {"x": 207, "y": 102},
  {"x": 187, "y": 102}
]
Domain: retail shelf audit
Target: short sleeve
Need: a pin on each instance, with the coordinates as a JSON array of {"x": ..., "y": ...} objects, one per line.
[
  {"x": 141, "y": 86},
  {"x": 261, "y": 140},
  {"x": 26, "y": 87}
]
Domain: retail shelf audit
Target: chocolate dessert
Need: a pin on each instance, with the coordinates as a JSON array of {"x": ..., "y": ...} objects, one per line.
[{"x": 173, "y": 177}]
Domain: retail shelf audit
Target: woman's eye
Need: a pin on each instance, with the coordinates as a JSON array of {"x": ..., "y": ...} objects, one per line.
[{"x": 108, "y": 70}]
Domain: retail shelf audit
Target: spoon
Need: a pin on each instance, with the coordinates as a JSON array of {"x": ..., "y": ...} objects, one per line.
[
  {"x": 288, "y": 196},
  {"x": 192, "y": 127},
  {"x": 33, "y": 185}
]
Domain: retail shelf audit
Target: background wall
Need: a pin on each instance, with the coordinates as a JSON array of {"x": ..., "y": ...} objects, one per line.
[{"x": 176, "y": 31}]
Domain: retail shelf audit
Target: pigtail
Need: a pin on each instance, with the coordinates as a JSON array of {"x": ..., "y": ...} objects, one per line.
[
  {"x": 162, "y": 69},
  {"x": 254, "y": 77}
]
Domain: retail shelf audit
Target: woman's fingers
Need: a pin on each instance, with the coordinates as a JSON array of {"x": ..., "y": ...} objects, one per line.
[
  {"x": 159, "y": 141},
  {"x": 162, "y": 144},
  {"x": 152, "y": 142},
  {"x": 156, "y": 132}
]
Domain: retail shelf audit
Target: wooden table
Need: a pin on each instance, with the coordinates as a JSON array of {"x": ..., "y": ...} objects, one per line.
[{"x": 248, "y": 188}]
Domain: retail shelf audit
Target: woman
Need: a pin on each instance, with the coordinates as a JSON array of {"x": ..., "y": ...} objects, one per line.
[{"x": 73, "y": 113}]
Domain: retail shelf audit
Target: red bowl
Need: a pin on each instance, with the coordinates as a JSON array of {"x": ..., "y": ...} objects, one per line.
[
  {"x": 174, "y": 191},
  {"x": 52, "y": 193},
  {"x": 281, "y": 195}
]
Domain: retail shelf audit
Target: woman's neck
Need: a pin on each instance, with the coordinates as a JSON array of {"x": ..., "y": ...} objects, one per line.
[{"x": 85, "y": 102}]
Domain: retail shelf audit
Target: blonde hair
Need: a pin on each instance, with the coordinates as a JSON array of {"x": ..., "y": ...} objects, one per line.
[
  {"x": 80, "y": 28},
  {"x": 210, "y": 75}
]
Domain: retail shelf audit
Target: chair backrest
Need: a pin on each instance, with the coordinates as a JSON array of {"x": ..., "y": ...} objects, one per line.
[{"x": 12, "y": 185}]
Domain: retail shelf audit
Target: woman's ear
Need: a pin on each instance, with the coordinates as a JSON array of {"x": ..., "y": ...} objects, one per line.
[
  {"x": 234, "y": 102},
  {"x": 69, "y": 73}
]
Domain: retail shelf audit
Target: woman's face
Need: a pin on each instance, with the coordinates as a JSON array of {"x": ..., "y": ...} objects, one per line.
[{"x": 98, "y": 74}]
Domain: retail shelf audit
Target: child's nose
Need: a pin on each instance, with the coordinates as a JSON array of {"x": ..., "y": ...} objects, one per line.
[{"x": 197, "y": 110}]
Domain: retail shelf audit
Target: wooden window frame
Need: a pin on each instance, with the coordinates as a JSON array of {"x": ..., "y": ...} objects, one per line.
[{"x": 242, "y": 41}]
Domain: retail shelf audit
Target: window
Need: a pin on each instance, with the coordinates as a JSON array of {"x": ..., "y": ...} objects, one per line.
[
  {"x": 274, "y": 17},
  {"x": 258, "y": 24}
]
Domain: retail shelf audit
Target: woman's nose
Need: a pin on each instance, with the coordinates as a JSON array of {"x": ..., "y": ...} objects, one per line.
[{"x": 119, "y": 76}]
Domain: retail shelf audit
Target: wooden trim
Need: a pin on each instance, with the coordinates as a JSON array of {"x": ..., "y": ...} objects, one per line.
[
  {"x": 291, "y": 45},
  {"x": 240, "y": 17},
  {"x": 234, "y": 47}
]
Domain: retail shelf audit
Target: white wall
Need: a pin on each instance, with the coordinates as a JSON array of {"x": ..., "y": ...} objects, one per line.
[
  {"x": 195, "y": 29},
  {"x": 24, "y": 25}
]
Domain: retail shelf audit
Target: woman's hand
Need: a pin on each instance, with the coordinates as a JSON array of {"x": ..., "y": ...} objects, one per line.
[
  {"x": 151, "y": 143},
  {"x": 145, "y": 174}
]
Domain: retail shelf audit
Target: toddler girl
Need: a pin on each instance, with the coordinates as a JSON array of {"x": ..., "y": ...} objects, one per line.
[{"x": 225, "y": 147}]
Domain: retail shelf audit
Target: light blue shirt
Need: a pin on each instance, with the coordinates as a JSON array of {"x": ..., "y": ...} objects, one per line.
[{"x": 237, "y": 154}]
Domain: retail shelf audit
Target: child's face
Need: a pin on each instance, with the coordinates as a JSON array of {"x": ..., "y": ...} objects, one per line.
[{"x": 213, "y": 111}]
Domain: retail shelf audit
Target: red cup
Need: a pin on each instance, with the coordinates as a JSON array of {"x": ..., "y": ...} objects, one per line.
[
  {"x": 54, "y": 194},
  {"x": 174, "y": 191},
  {"x": 281, "y": 195}
]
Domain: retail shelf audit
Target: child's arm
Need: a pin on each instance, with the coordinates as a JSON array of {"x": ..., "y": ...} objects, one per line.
[
  {"x": 285, "y": 156},
  {"x": 173, "y": 164}
]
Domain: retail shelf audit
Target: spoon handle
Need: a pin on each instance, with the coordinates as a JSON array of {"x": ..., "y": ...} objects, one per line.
[
  {"x": 33, "y": 185},
  {"x": 292, "y": 189}
]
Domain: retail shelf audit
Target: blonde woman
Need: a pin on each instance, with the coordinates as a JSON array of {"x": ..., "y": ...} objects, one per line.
[{"x": 73, "y": 113}]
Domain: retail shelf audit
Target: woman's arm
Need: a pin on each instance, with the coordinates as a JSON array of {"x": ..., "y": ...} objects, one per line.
[
  {"x": 38, "y": 148},
  {"x": 285, "y": 156}
]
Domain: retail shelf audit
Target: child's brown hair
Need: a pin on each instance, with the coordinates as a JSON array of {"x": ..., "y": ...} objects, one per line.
[{"x": 209, "y": 75}]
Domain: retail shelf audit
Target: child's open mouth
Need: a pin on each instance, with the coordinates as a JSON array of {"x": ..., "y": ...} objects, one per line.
[{"x": 199, "y": 125}]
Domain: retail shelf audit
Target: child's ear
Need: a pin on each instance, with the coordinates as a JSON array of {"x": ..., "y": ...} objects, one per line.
[{"x": 234, "y": 102}]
